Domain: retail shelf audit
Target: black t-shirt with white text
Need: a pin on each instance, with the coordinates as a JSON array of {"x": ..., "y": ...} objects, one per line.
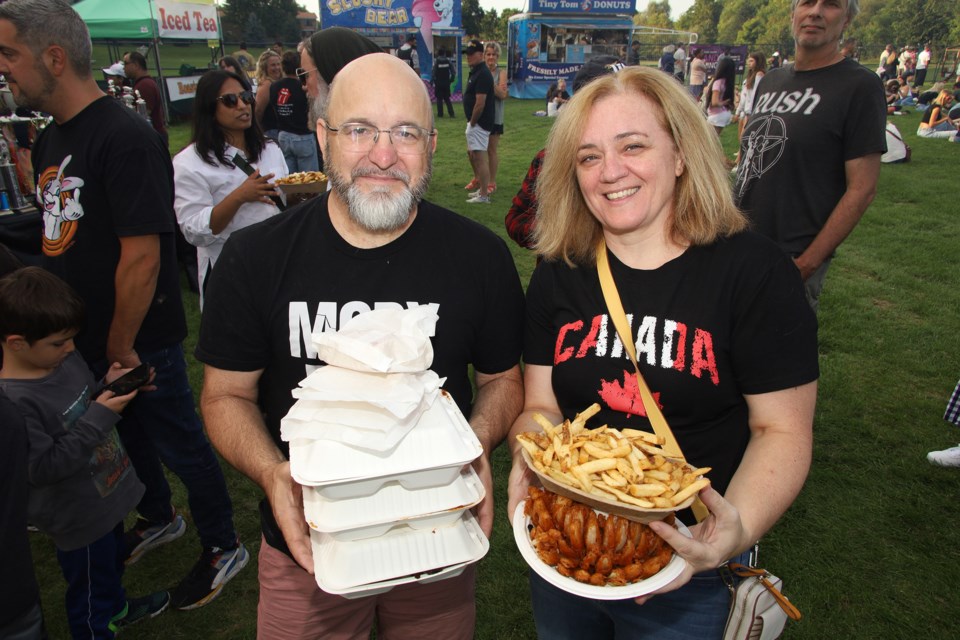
[
  {"x": 278, "y": 281},
  {"x": 289, "y": 102},
  {"x": 103, "y": 175},
  {"x": 805, "y": 125}
]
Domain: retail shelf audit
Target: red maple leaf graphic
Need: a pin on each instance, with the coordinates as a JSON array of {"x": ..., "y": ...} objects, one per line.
[{"x": 625, "y": 396}]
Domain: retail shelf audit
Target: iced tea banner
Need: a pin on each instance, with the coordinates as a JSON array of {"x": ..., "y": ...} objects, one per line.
[{"x": 196, "y": 19}]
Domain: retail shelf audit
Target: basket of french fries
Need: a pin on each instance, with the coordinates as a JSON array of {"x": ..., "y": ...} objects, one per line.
[
  {"x": 303, "y": 182},
  {"x": 624, "y": 472}
]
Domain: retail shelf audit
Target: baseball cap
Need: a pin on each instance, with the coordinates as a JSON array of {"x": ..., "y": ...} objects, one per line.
[
  {"x": 115, "y": 69},
  {"x": 475, "y": 46},
  {"x": 594, "y": 68}
]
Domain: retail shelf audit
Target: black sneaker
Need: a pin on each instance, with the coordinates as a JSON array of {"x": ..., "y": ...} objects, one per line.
[
  {"x": 139, "y": 609},
  {"x": 215, "y": 568},
  {"x": 146, "y": 535}
]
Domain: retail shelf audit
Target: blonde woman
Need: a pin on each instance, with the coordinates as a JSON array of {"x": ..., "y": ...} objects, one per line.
[
  {"x": 491, "y": 56},
  {"x": 269, "y": 70},
  {"x": 725, "y": 337},
  {"x": 936, "y": 122}
]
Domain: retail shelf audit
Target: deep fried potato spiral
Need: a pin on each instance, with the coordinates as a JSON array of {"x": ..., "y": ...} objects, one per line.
[{"x": 593, "y": 548}]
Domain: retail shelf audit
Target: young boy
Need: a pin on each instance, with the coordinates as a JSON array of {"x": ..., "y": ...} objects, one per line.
[{"x": 81, "y": 482}]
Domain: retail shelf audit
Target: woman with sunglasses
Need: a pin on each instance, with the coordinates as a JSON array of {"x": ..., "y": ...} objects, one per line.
[{"x": 214, "y": 195}]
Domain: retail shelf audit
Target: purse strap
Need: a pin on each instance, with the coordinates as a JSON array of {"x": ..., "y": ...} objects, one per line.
[
  {"x": 763, "y": 576},
  {"x": 659, "y": 423}
]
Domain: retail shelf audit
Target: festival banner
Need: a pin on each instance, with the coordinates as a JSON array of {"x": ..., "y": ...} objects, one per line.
[
  {"x": 195, "y": 19},
  {"x": 587, "y": 7}
]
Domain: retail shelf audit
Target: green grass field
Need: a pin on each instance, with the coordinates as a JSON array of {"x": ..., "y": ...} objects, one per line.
[{"x": 870, "y": 550}]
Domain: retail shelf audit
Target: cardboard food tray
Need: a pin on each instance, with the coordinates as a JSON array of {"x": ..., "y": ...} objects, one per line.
[
  {"x": 304, "y": 187},
  {"x": 391, "y": 506},
  {"x": 431, "y": 455},
  {"x": 612, "y": 505},
  {"x": 400, "y": 556}
]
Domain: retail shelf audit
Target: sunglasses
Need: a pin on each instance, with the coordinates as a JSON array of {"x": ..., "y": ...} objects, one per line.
[{"x": 230, "y": 100}]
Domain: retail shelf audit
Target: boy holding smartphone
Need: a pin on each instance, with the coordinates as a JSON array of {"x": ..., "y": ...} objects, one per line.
[{"x": 82, "y": 484}]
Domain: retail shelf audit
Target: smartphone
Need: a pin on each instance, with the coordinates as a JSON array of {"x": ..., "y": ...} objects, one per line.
[{"x": 133, "y": 379}]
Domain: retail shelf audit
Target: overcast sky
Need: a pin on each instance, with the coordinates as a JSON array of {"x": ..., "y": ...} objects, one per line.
[{"x": 677, "y": 7}]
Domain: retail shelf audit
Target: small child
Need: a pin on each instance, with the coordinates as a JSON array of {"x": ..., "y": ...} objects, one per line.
[{"x": 82, "y": 484}]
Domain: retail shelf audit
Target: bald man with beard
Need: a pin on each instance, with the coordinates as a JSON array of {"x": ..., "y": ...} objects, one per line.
[{"x": 372, "y": 241}]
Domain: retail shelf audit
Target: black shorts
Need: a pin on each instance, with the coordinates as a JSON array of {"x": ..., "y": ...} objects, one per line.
[{"x": 497, "y": 130}]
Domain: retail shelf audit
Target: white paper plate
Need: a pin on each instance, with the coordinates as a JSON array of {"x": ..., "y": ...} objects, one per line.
[
  {"x": 666, "y": 575},
  {"x": 400, "y": 556},
  {"x": 430, "y": 455},
  {"x": 392, "y": 505}
]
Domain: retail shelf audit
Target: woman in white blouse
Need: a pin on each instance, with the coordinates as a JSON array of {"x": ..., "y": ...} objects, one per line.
[{"x": 214, "y": 195}]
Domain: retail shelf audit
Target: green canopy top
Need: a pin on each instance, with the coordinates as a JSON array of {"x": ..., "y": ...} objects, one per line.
[{"x": 117, "y": 19}]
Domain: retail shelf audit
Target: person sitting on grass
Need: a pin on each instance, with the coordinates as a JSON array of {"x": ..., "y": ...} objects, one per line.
[
  {"x": 82, "y": 484},
  {"x": 936, "y": 122}
]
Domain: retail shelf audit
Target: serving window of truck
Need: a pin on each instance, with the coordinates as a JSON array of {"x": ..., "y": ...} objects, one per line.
[{"x": 557, "y": 37}]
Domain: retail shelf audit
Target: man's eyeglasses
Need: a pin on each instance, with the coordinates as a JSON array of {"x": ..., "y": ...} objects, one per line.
[
  {"x": 407, "y": 139},
  {"x": 303, "y": 73},
  {"x": 230, "y": 100}
]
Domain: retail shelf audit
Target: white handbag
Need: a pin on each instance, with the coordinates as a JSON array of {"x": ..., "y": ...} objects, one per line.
[{"x": 759, "y": 610}]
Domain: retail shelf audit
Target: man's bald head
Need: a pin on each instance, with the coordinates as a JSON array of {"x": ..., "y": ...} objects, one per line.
[{"x": 379, "y": 76}]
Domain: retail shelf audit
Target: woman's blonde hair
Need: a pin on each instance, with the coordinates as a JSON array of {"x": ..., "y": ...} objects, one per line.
[
  {"x": 262, "y": 65},
  {"x": 943, "y": 98},
  {"x": 703, "y": 208},
  {"x": 493, "y": 45}
]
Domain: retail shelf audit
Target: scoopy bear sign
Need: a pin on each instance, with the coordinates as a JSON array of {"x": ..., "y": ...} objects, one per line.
[{"x": 195, "y": 19}]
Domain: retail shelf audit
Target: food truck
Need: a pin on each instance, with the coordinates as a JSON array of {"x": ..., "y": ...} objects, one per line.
[
  {"x": 556, "y": 37},
  {"x": 435, "y": 23}
]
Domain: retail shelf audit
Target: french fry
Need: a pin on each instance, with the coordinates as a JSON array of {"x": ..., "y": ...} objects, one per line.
[
  {"x": 690, "y": 490},
  {"x": 647, "y": 490},
  {"x": 545, "y": 424},
  {"x": 598, "y": 465},
  {"x": 598, "y": 451},
  {"x": 531, "y": 447}
]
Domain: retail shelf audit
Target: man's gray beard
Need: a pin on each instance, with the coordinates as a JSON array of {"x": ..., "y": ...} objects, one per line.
[
  {"x": 316, "y": 104},
  {"x": 378, "y": 210}
]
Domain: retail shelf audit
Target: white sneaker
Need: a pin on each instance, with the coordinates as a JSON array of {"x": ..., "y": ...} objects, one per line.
[
  {"x": 946, "y": 458},
  {"x": 478, "y": 199}
]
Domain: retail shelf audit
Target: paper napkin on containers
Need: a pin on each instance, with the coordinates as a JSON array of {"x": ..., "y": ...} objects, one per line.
[
  {"x": 376, "y": 384},
  {"x": 384, "y": 340}
]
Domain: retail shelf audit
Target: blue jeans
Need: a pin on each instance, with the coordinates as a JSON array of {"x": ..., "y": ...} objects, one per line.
[
  {"x": 696, "y": 611},
  {"x": 163, "y": 425},
  {"x": 95, "y": 593},
  {"x": 300, "y": 152}
]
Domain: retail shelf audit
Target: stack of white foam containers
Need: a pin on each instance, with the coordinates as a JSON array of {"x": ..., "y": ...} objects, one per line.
[{"x": 379, "y": 519}]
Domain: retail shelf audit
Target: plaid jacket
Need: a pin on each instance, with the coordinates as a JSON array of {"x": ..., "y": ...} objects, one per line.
[
  {"x": 522, "y": 215},
  {"x": 952, "y": 414}
]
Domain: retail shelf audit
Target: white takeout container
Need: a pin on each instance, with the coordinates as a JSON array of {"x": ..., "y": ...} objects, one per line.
[
  {"x": 401, "y": 556},
  {"x": 392, "y": 506},
  {"x": 430, "y": 455}
]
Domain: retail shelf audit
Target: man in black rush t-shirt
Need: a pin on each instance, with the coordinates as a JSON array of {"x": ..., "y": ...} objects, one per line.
[
  {"x": 810, "y": 153},
  {"x": 105, "y": 189},
  {"x": 371, "y": 242}
]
